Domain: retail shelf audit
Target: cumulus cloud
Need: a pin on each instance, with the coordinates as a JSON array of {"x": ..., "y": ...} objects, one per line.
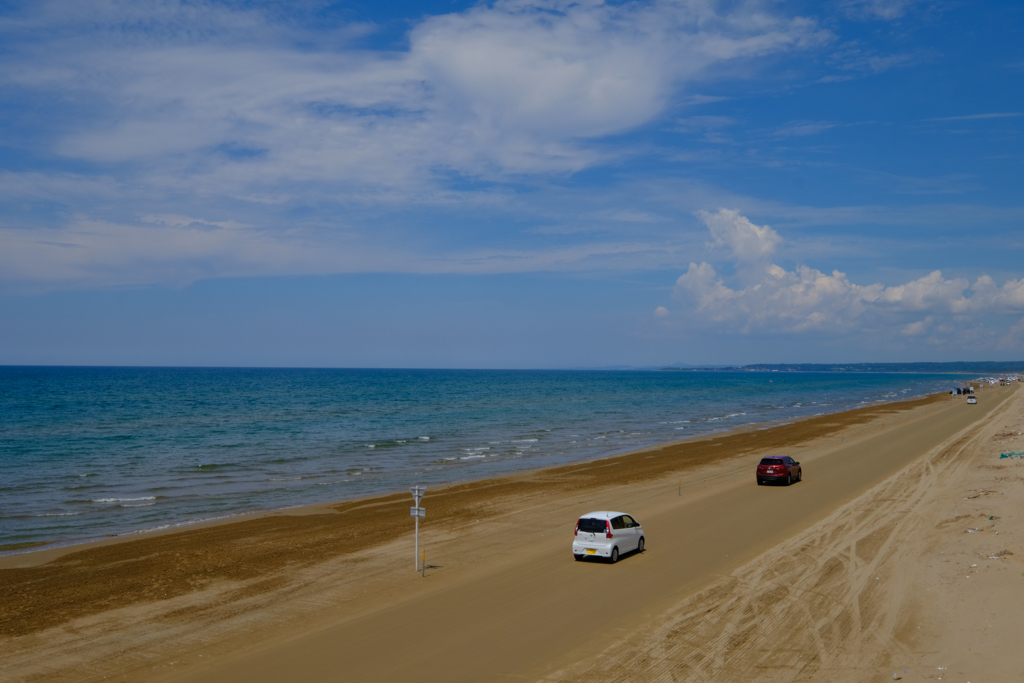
[
  {"x": 791, "y": 301},
  {"x": 748, "y": 242},
  {"x": 661, "y": 312}
]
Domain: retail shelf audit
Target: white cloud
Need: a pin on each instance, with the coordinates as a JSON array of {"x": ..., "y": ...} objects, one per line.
[
  {"x": 916, "y": 328},
  {"x": 781, "y": 301},
  {"x": 988, "y": 295},
  {"x": 703, "y": 123},
  {"x": 661, "y": 312},
  {"x": 60, "y": 187},
  {"x": 219, "y": 94},
  {"x": 746, "y": 241},
  {"x": 803, "y": 128},
  {"x": 975, "y": 117},
  {"x": 178, "y": 250},
  {"x": 856, "y": 59},
  {"x": 877, "y": 9},
  {"x": 627, "y": 216},
  {"x": 185, "y": 221},
  {"x": 1014, "y": 337},
  {"x": 172, "y": 109}
]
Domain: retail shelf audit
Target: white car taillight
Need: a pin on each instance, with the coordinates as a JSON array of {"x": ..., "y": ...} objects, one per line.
[{"x": 608, "y": 529}]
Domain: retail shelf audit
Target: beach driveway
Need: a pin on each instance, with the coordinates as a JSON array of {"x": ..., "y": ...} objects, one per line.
[{"x": 534, "y": 610}]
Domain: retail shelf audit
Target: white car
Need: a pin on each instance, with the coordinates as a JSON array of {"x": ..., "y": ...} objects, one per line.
[
  {"x": 972, "y": 399},
  {"x": 608, "y": 535}
]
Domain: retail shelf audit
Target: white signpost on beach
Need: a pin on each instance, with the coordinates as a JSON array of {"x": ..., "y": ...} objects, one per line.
[{"x": 417, "y": 512}]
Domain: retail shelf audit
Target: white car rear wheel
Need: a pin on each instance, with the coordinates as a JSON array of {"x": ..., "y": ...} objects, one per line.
[{"x": 615, "y": 555}]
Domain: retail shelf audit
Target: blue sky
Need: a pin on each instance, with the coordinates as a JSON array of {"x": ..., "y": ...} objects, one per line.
[{"x": 510, "y": 184}]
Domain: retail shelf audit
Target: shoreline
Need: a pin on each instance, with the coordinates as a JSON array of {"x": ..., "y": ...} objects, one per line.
[
  {"x": 273, "y": 472},
  {"x": 46, "y": 551},
  {"x": 289, "y": 594}
]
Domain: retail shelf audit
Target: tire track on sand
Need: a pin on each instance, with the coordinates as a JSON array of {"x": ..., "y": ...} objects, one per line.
[{"x": 826, "y": 601}]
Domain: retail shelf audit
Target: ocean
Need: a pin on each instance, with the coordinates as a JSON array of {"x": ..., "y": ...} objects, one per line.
[{"x": 88, "y": 453}]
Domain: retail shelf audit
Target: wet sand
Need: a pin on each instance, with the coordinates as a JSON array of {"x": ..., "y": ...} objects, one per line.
[{"x": 329, "y": 591}]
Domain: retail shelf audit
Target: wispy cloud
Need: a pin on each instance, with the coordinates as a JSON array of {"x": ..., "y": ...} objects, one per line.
[
  {"x": 514, "y": 87},
  {"x": 803, "y": 128},
  {"x": 854, "y": 59},
  {"x": 703, "y": 123},
  {"x": 887, "y": 10},
  {"x": 179, "y": 250},
  {"x": 976, "y": 117},
  {"x": 226, "y": 129}
]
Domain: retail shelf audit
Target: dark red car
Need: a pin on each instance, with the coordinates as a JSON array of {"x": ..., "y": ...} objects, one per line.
[{"x": 780, "y": 468}]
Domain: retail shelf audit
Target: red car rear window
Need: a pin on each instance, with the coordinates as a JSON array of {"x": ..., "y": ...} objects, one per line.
[{"x": 771, "y": 461}]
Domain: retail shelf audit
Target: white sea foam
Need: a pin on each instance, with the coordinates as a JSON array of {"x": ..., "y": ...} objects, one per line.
[
  {"x": 122, "y": 500},
  {"x": 472, "y": 457},
  {"x": 424, "y": 438}
]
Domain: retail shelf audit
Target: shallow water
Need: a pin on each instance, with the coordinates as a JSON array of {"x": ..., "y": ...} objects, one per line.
[{"x": 88, "y": 452}]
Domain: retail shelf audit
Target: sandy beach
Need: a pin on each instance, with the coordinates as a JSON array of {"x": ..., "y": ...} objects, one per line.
[{"x": 861, "y": 571}]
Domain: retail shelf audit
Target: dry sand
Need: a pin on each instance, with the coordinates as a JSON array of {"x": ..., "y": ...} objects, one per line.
[{"x": 856, "y": 573}]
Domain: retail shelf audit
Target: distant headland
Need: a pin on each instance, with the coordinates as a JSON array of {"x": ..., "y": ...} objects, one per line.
[{"x": 980, "y": 367}]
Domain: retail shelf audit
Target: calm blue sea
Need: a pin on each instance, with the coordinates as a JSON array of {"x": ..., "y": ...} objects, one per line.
[{"x": 88, "y": 452}]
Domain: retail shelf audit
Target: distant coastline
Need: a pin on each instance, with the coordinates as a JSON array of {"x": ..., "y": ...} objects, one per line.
[{"x": 982, "y": 367}]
